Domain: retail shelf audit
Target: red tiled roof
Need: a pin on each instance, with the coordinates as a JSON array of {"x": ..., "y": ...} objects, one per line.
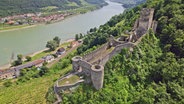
[{"x": 36, "y": 62}]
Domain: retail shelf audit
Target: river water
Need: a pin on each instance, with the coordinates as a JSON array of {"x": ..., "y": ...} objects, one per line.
[{"x": 29, "y": 40}]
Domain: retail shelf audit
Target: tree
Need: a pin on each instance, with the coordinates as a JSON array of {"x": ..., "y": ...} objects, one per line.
[
  {"x": 43, "y": 70},
  {"x": 81, "y": 36},
  {"x": 28, "y": 58},
  {"x": 19, "y": 57},
  {"x": 76, "y": 37},
  {"x": 57, "y": 39},
  {"x": 7, "y": 84},
  {"x": 52, "y": 45},
  {"x": 18, "y": 61}
]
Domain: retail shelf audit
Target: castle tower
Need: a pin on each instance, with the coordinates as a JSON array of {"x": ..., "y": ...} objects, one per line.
[
  {"x": 75, "y": 64},
  {"x": 97, "y": 76}
]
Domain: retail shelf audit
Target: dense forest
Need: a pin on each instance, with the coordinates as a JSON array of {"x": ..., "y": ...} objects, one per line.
[
  {"x": 11, "y": 7},
  {"x": 152, "y": 73}
]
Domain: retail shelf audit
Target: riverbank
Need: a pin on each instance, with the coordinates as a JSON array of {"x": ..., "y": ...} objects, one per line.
[
  {"x": 29, "y": 40},
  {"x": 17, "y": 28},
  {"x": 74, "y": 12},
  {"x": 34, "y": 56}
]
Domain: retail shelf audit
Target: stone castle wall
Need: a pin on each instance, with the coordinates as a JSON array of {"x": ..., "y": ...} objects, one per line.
[
  {"x": 97, "y": 76},
  {"x": 68, "y": 86},
  {"x": 117, "y": 50},
  {"x": 91, "y": 55},
  {"x": 95, "y": 71}
]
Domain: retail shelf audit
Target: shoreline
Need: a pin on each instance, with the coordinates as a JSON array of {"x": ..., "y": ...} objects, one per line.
[
  {"x": 19, "y": 28},
  {"x": 45, "y": 23},
  {"x": 37, "y": 24},
  {"x": 6, "y": 66}
]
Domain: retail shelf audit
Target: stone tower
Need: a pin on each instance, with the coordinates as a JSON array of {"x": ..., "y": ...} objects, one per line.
[{"x": 94, "y": 73}]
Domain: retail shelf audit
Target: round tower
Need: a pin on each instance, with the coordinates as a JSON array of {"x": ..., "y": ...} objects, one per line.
[
  {"x": 97, "y": 76},
  {"x": 75, "y": 64}
]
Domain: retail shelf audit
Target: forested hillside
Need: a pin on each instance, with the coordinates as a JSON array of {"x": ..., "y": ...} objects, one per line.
[
  {"x": 153, "y": 73},
  {"x": 129, "y": 3},
  {"x": 11, "y": 7}
]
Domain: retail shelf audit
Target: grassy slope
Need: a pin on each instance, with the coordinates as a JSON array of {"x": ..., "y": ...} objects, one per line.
[{"x": 30, "y": 92}]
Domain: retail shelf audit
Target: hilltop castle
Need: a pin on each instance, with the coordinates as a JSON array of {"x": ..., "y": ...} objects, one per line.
[{"x": 91, "y": 66}]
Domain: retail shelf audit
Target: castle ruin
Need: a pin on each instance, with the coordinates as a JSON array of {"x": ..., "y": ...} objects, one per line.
[{"x": 91, "y": 66}]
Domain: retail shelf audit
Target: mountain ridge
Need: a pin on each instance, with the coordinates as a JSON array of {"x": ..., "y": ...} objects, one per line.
[
  {"x": 129, "y": 3},
  {"x": 13, "y": 7}
]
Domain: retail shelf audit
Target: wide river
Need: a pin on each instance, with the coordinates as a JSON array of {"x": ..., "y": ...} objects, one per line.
[{"x": 29, "y": 40}]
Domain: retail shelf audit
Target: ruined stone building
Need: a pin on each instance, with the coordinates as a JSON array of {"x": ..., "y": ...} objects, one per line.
[{"x": 91, "y": 66}]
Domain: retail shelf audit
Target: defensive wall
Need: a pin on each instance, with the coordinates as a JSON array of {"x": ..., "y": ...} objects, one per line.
[
  {"x": 92, "y": 54},
  {"x": 94, "y": 72},
  {"x": 140, "y": 28},
  {"x": 67, "y": 86}
]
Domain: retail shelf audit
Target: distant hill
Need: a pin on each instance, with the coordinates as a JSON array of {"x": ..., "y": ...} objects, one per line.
[
  {"x": 129, "y": 3},
  {"x": 11, "y": 7}
]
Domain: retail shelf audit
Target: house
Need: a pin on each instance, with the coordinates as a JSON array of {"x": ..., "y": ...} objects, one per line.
[
  {"x": 73, "y": 44},
  {"x": 7, "y": 74},
  {"x": 60, "y": 51},
  {"x": 14, "y": 72},
  {"x": 48, "y": 58},
  {"x": 11, "y": 22},
  {"x": 38, "y": 63}
]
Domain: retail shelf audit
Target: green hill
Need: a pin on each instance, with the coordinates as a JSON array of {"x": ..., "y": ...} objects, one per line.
[
  {"x": 153, "y": 73},
  {"x": 11, "y": 7},
  {"x": 129, "y": 3}
]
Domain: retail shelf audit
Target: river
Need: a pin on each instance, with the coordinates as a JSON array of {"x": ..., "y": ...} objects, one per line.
[{"x": 29, "y": 40}]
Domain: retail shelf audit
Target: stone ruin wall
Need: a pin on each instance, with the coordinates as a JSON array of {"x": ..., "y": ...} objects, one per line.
[
  {"x": 92, "y": 54},
  {"x": 65, "y": 87},
  {"x": 154, "y": 26},
  {"x": 113, "y": 42},
  {"x": 92, "y": 72},
  {"x": 144, "y": 22},
  {"x": 117, "y": 50},
  {"x": 96, "y": 74}
]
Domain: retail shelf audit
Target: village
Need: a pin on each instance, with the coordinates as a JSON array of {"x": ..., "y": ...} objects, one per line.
[
  {"x": 32, "y": 18},
  {"x": 14, "y": 71}
]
